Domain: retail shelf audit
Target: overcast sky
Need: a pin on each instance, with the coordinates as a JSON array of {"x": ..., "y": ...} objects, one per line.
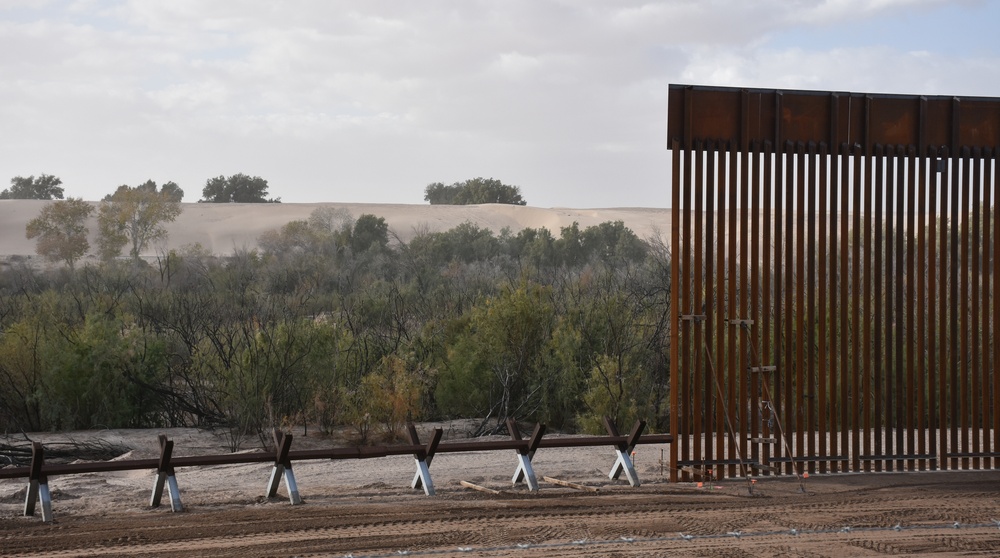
[{"x": 370, "y": 101}]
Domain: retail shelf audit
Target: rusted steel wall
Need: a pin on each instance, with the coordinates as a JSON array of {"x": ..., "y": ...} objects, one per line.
[{"x": 849, "y": 241}]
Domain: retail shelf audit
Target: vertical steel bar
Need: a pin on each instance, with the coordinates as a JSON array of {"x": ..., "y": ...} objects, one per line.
[
  {"x": 990, "y": 177},
  {"x": 694, "y": 161},
  {"x": 708, "y": 380},
  {"x": 675, "y": 312},
  {"x": 894, "y": 181},
  {"x": 921, "y": 303},
  {"x": 732, "y": 295},
  {"x": 801, "y": 189},
  {"x": 958, "y": 396},
  {"x": 881, "y": 298},
  {"x": 821, "y": 374},
  {"x": 698, "y": 370},
  {"x": 991, "y": 173},
  {"x": 753, "y": 406},
  {"x": 974, "y": 369},
  {"x": 836, "y": 375},
  {"x": 871, "y": 364},
  {"x": 862, "y": 357},
  {"x": 808, "y": 332},
  {"x": 790, "y": 410},
  {"x": 911, "y": 302},
  {"x": 894, "y": 287},
  {"x": 954, "y": 357},
  {"x": 828, "y": 170},
  {"x": 893, "y": 314},
  {"x": 890, "y": 332},
  {"x": 742, "y": 414},
  {"x": 964, "y": 365},
  {"x": 861, "y": 294},
  {"x": 986, "y": 365},
  {"x": 934, "y": 348},
  {"x": 767, "y": 333},
  {"x": 945, "y": 332},
  {"x": 962, "y": 273},
  {"x": 982, "y": 420},
  {"x": 898, "y": 179},
  {"x": 720, "y": 314},
  {"x": 848, "y": 330}
]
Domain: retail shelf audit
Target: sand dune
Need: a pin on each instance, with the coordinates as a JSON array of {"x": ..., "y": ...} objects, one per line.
[{"x": 222, "y": 228}]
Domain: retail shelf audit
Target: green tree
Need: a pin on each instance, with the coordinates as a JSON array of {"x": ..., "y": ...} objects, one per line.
[
  {"x": 466, "y": 242},
  {"x": 171, "y": 190},
  {"x": 369, "y": 231},
  {"x": 331, "y": 219},
  {"x": 533, "y": 246},
  {"x": 45, "y": 187},
  {"x": 388, "y": 396},
  {"x": 61, "y": 230},
  {"x": 495, "y": 364},
  {"x": 134, "y": 216},
  {"x": 22, "y": 351},
  {"x": 87, "y": 381},
  {"x": 619, "y": 313},
  {"x": 473, "y": 191},
  {"x": 612, "y": 241},
  {"x": 238, "y": 188}
]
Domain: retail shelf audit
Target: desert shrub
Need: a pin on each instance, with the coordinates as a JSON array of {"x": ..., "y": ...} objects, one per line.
[{"x": 386, "y": 399}]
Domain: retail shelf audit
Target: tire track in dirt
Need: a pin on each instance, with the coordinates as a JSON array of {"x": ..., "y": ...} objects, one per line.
[{"x": 384, "y": 522}]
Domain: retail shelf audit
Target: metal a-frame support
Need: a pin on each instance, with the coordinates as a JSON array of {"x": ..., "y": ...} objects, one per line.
[
  {"x": 38, "y": 485},
  {"x": 524, "y": 471},
  {"x": 423, "y": 458},
  {"x": 283, "y": 468},
  {"x": 623, "y": 463},
  {"x": 165, "y": 475}
]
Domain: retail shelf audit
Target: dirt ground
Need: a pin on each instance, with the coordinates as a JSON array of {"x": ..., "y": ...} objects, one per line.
[{"x": 366, "y": 508}]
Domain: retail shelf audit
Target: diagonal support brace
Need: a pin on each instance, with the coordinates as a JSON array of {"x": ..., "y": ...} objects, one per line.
[
  {"x": 623, "y": 463},
  {"x": 38, "y": 486},
  {"x": 524, "y": 471},
  {"x": 422, "y": 478},
  {"x": 165, "y": 475},
  {"x": 283, "y": 468}
]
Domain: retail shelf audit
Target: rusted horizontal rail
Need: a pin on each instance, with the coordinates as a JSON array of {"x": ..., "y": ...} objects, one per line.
[{"x": 584, "y": 441}]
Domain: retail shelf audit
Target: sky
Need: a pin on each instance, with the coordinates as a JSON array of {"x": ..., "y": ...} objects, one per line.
[{"x": 369, "y": 101}]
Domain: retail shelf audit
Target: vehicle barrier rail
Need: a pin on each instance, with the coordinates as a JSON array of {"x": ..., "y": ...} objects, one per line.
[{"x": 282, "y": 457}]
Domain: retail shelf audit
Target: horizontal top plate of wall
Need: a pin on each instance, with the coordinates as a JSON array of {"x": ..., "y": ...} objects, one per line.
[{"x": 740, "y": 117}]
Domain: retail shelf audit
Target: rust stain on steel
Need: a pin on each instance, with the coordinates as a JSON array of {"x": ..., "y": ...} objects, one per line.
[{"x": 856, "y": 233}]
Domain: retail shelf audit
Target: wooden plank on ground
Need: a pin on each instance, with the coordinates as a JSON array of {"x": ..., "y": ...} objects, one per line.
[
  {"x": 568, "y": 484},
  {"x": 468, "y": 484}
]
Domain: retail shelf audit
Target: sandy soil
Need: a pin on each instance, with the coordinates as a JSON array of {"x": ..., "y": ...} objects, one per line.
[
  {"x": 366, "y": 507},
  {"x": 223, "y": 228}
]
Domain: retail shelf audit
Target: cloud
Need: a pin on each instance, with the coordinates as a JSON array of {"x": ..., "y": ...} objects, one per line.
[
  {"x": 371, "y": 100},
  {"x": 877, "y": 69}
]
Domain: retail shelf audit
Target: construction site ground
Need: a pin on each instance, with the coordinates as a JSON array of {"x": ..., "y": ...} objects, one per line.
[{"x": 367, "y": 508}]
